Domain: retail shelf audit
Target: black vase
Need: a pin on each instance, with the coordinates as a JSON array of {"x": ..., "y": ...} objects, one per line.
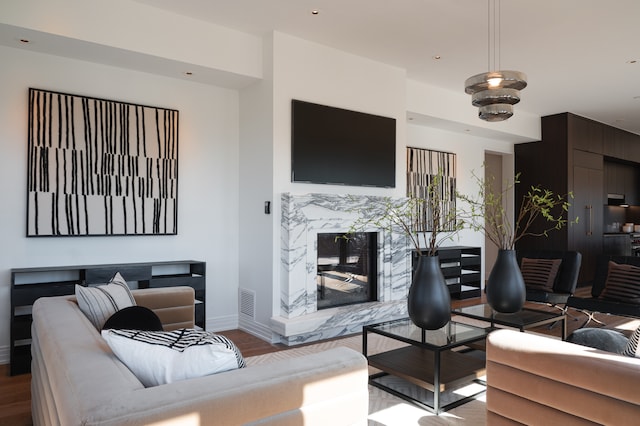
[
  {"x": 429, "y": 301},
  {"x": 505, "y": 287}
]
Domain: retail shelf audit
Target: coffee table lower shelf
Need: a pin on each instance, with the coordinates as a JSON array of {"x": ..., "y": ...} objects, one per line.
[{"x": 417, "y": 366}]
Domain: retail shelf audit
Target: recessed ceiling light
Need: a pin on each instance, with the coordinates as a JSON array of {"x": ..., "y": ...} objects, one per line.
[
  {"x": 632, "y": 61},
  {"x": 436, "y": 57},
  {"x": 24, "y": 41},
  {"x": 315, "y": 12},
  {"x": 188, "y": 73}
]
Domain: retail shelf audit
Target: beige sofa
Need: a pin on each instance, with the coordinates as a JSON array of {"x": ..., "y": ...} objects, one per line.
[
  {"x": 533, "y": 379},
  {"x": 76, "y": 379}
]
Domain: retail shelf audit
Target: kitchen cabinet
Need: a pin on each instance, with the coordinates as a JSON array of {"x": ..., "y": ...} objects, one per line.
[
  {"x": 622, "y": 178},
  {"x": 621, "y": 144},
  {"x": 568, "y": 159},
  {"x": 617, "y": 244},
  {"x": 586, "y": 235},
  {"x": 584, "y": 134}
]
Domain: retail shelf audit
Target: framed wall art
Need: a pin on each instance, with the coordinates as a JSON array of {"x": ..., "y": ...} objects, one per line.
[
  {"x": 100, "y": 167},
  {"x": 422, "y": 166}
]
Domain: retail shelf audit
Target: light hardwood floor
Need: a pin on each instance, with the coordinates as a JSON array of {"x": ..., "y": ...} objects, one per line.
[{"x": 15, "y": 395}]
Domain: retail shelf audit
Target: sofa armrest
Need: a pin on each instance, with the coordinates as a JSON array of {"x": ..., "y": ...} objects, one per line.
[
  {"x": 173, "y": 305},
  {"x": 528, "y": 375}
]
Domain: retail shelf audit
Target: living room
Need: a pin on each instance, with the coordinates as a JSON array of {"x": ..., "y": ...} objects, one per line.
[
  {"x": 233, "y": 91},
  {"x": 226, "y": 134}
]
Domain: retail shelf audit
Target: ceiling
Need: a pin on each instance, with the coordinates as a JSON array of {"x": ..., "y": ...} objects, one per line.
[{"x": 579, "y": 55}]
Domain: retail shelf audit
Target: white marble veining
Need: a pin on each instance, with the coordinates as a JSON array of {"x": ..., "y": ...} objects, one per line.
[{"x": 303, "y": 217}]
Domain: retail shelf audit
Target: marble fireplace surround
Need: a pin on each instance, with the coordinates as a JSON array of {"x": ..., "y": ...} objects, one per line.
[{"x": 303, "y": 217}]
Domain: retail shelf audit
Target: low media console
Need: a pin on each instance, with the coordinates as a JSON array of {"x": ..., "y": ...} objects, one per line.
[{"x": 28, "y": 284}]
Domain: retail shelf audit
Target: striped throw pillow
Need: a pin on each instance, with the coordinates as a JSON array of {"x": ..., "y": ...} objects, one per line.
[
  {"x": 100, "y": 302},
  {"x": 622, "y": 284},
  {"x": 540, "y": 274},
  {"x": 160, "y": 357},
  {"x": 632, "y": 347}
]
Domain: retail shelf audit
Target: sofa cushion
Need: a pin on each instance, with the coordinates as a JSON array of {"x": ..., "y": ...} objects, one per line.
[
  {"x": 134, "y": 318},
  {"x": 540, "y": 274},
  {"x": 623, "y": 283},
  {"x": 158, "y": 358},
  {"x": 98, "y": 303}
]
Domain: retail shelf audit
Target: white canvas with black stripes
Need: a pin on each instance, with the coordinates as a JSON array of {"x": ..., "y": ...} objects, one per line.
[
  {"x": 100, "y": 167},
  {"x": 423, "y": 166}
]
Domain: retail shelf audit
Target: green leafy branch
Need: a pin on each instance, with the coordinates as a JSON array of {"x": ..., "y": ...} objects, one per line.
[
  {"x": 486, "y": 212},
  {"x": 423, "y": 220}
]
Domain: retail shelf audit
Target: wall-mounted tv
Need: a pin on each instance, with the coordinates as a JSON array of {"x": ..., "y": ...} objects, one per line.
[{"x": 341, "y": 147}]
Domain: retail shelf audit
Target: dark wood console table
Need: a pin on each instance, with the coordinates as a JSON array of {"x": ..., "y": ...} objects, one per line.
[{"x": 29, "y": 284}]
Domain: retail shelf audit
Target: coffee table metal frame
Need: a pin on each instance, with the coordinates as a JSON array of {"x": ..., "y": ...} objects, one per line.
[
  {"x": 428, "y": 360},
  {"x": 524, "y": 319}
]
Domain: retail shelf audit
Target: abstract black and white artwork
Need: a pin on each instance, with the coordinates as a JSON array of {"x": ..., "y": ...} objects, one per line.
[
  {"x": 100, "y": 167},
  {"x": 423, "y": 165}
]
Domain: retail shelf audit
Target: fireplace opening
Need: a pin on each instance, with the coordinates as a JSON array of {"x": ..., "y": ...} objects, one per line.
[{"x": 347, "y": 268}]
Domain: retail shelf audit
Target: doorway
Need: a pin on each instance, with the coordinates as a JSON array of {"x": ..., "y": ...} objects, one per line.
[{"x": 497, "y": 168}]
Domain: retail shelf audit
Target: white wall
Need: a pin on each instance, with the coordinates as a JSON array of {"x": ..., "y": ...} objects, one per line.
[
  {"x": 208, "y": 177},
  {"x": 320, "y": 74},
  {"x": 256, "y": 187},
  {"x": 299, "y": 69}
]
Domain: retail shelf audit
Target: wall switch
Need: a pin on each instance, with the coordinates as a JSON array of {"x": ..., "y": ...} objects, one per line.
[{"x": 267, "y": 207}]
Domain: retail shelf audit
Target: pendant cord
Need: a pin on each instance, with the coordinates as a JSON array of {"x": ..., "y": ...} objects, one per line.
[{"x": 493, "y": 34}]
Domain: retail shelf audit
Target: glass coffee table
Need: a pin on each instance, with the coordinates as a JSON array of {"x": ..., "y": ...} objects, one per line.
[
  {"x": 523, "y": 320},
  {"x": 435, "y": 363}
]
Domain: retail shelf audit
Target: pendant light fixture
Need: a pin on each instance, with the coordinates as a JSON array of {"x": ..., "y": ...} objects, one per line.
[{"x": 495, "y": 92}]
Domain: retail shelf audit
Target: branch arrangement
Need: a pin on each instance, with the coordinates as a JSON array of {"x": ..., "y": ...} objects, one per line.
[
  {"x": 423, "y": 220},
  {"x": 486, "y": 212}
]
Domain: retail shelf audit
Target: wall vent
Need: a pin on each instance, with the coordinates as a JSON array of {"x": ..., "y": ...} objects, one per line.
[{"x": 247, "y": 303}]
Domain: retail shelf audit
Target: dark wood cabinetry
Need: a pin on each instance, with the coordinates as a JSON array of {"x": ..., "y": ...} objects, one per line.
[
  {"x": 29, "y": 284},
  {"x": 461, "y": 267},
  {"x": 589, "y": 159},
  {"x": 585, "y": 236},
  {"x": 568, "y": 160},
  {"x": 584, "y": 134},
  {"x": 622, "y": 178},
  {"x": 620, "y": 144}
]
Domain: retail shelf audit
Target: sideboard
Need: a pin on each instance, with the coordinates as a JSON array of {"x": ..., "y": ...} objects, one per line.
[
  {"x": 28, "y": 284},
  {"x": 461, "y": 267}
]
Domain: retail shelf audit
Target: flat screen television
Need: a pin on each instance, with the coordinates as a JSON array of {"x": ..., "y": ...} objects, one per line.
[{"x": 341, "y": 147}]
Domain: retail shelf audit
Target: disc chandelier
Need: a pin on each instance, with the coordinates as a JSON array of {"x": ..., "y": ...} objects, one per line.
[{"x": 495, "y": 92}]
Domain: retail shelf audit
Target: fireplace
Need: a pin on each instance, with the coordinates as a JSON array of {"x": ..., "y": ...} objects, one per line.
[
  {"x": 303, "y": 218},
  {"x": 346, "y": 268}
]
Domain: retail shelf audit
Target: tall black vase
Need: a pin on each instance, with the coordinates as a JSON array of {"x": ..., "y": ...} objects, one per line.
[
  {"x": 506, "y": 292},
  {"x": 429, "y": 301}
]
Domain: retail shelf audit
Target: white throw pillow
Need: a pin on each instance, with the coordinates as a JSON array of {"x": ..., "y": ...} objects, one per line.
[
  {"x": 160, "y": 357},
  {"x": 98, "y": 303}
]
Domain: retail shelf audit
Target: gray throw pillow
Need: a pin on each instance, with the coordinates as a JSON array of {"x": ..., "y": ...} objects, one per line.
[{"x": 598, "y": 338}]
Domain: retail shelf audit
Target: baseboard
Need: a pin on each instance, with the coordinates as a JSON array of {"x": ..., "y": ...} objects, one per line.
[
  {"x": 259, "y": 330},
  {"x": 230, "y": 322},
  {"x": 5, "y": 357}
]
